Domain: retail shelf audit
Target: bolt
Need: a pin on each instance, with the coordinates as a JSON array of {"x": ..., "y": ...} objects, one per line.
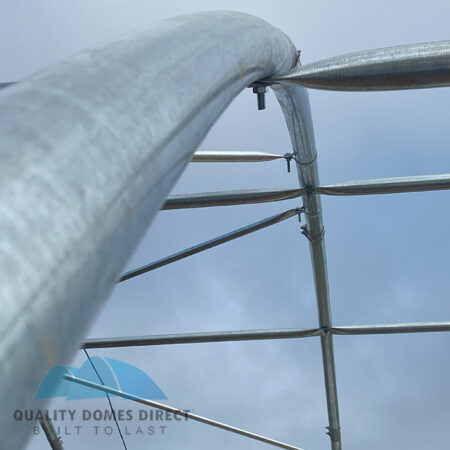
[{"x": 260, "y": 91}]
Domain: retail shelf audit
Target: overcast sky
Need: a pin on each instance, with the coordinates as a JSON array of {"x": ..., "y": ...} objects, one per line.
[{"x": 387, "y": 255}]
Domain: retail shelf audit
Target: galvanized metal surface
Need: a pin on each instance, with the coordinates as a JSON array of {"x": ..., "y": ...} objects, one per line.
[
  {"x": 180, "y": 412},
  {"x": 393, "y": 328},
  {"x": 253, "y": 335},
  {"x": 90, "y": 148},
  {"x": 194, "y": 338},
  {"x": 68, "y": 227},
  {"x": 363, "y": 187},
  {"x": 227, "y": 198},
  {"x": 412, "y": 66},
  {"x": 295, "y": 105},
  {"x": 234, "y": 156},
  {"x": 389, "y": 185},
  {"x": 53, "y": 439},
  {"x": 210, "y": 244}
]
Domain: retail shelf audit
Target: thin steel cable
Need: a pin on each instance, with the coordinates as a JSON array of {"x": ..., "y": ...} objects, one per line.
[{"x": 109, "y": 400}]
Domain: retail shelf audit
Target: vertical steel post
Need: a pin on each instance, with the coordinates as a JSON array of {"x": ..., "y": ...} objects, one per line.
[{"x": 295, "y": 105}]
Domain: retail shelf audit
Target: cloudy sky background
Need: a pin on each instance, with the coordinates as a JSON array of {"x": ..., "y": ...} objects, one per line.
[{"x": 387, "y": 255}]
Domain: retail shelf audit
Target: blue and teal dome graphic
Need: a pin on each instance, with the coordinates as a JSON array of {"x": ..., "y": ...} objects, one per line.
[{"x": 114, "y": 374}]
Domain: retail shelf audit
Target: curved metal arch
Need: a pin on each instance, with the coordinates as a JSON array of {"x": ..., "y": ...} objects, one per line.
[{"x": 91, "y": 148}]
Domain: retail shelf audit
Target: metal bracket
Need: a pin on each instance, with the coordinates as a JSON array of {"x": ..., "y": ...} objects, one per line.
[
  {"x": 334, "y": 433},
  {"x": 309, "y": 191},
  {"x": 288, "y": 157},
  {"x": 299, "y": 212},
  {"x": 298, "y": 62},
  {"x": 307, "y": 233}
]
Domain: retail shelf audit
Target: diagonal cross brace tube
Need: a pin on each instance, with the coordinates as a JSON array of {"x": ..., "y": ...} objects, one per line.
[
  {"x": 180, "y": 412},
  {"x": 53, "y": 439},
  {"x": 295, "y": 105},
  {"x": 210, "y": 244}
]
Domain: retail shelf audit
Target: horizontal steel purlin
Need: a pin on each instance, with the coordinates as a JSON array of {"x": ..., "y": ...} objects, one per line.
[
  {"x": 255, "y": 335},
  {"x": 228, "y": 198},
  {"x": 194, "y": 338},
  {"x": 393, "y": 328},
  {"x": 412, "y": 66},
  {"x": 389, "y": 185},
  {"x": 234, "y": 156},
  {"x": 350, "y": 188},
  {"x": 179, "y": 412}
]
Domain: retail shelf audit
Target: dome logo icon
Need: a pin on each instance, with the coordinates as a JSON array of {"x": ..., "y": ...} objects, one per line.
[{"x": 114, "y": 374}]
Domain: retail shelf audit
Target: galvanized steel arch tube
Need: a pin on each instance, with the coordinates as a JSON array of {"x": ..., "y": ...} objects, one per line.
[{"x": 90, "y": 149}]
